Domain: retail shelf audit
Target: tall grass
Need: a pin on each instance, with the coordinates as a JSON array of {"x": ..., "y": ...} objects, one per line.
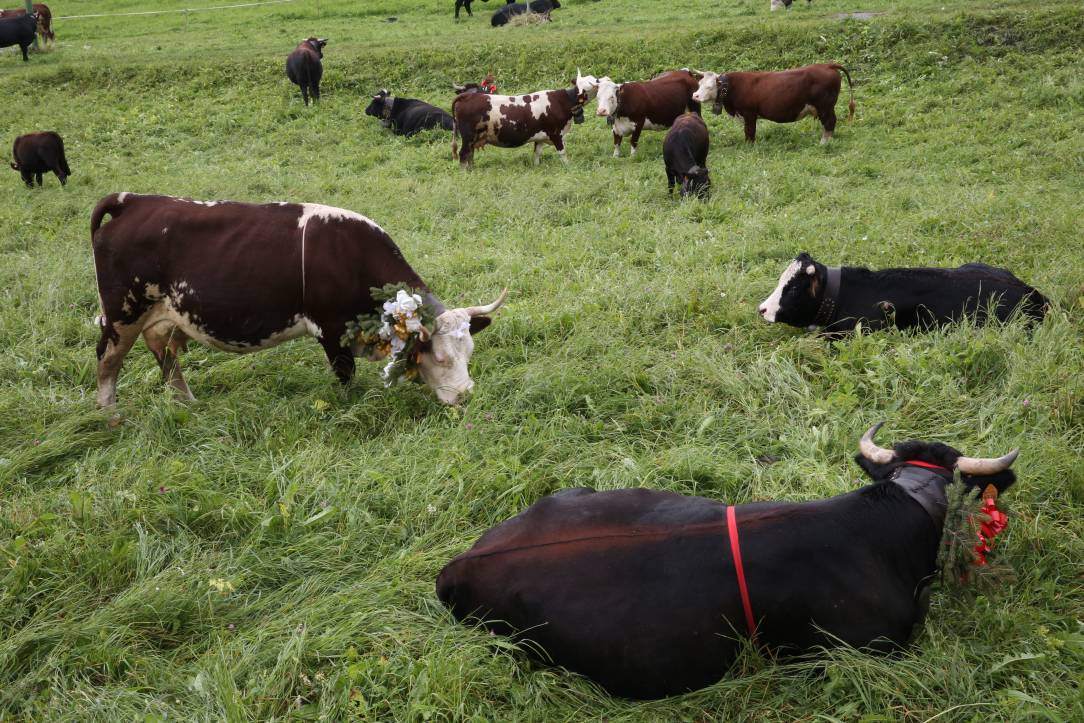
[{"x": 270, "y": 550}]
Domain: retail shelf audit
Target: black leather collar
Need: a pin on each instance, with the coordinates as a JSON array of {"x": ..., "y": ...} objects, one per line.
[
  {"x": 925, "y": 487},
  {"x": 827, "y": 310}
]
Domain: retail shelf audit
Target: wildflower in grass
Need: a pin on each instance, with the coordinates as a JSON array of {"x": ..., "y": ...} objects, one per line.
[{"x": 220, "y": 585}]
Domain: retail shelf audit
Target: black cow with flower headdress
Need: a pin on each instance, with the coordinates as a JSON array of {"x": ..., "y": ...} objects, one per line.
[{"x": 651, "y": 593}]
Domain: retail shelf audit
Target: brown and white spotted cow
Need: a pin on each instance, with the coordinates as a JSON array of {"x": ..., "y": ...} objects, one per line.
[
  {"x": 242, "y": 277},
  {"x": 510, "y": 121},
  {"x": 782, "y": 96},
  {"x": 649, "y": 105}
]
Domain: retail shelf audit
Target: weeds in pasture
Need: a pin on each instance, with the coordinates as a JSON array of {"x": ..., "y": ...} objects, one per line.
[{"x": 269, "y": 551}]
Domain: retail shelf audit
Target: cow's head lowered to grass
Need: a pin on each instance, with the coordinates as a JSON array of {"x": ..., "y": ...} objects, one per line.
[{"x": 445, "y": 354}]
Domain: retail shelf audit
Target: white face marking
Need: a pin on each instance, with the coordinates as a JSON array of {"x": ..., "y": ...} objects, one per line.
[
  {"x": 587, "y": 84},
  {"x": 165, "y": 229},
  {"x": 770, "y": 308},
  {"x": 444, "y": 368},
  {"x": 708, "y": 88},
  {"x": 329, "y": 213},
  {"x": 607, "y": 97},
  {"x": 152, "y": 292}
]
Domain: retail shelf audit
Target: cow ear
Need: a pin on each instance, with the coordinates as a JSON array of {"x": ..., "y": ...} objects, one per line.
[{"x": 478, "y": 323}]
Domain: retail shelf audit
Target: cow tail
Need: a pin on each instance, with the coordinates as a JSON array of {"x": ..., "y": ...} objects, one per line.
[
  {"x": 455, "y": 132},
  {"x": 110, "y": 205},
  {"x": 850, "y": 85}
]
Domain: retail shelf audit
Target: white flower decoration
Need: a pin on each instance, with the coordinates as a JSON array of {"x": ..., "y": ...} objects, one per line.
[
  {"x": 407, "y": 302},
  {"x": 413, "y": 324}
]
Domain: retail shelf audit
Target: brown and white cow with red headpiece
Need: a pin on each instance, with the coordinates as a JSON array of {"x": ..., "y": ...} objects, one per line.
[
  {"x": 510, "y": 121},
  {"x": 242, "y": 277}
]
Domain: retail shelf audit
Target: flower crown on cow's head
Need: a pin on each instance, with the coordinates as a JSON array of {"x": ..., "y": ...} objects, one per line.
[{"x": 396, "y": 331}]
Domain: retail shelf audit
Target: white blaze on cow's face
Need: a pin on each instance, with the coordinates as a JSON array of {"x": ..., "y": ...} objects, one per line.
[
  {"x": 709, "y": 87},
  {"x": 443, "y": 367},
  {"x": 607, "y": 97},
  {"x": 770, "y": 307},
  {"x": 586, "y": 84}
]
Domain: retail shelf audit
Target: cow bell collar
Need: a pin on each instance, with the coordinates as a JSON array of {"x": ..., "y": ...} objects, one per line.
[
  {"x": 722, "y": 90},
  {"x": 830, "y": 301},
  {"x": 926, "y": 486}
]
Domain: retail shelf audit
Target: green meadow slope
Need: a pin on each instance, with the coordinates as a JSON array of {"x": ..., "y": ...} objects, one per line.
[{"x": 269, "y": 552}]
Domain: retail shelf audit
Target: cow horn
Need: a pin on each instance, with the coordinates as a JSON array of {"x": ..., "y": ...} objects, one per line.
[
  {"x": 456, "y": 86},
  {"x": 986, "y": 465},
  {"x": 871, "y": 451},
  {"x": 489, "y": 308},
  {"x": 697, "y": 73}
]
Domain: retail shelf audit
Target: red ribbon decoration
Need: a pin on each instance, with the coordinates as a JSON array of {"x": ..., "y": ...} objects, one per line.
[
  {"x": 990, "y": 528},
  {"x": 739, "y": 570}
]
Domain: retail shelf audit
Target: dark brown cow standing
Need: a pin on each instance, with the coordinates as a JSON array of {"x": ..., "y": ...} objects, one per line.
[
  {"x": 304, "y": 67},
  {"x": 510, "y": 121},
  {"x": 646, "y": 105},
  {"x": 243, "y": 277},
  {"x": 45, "y": 20},
  {"x": 639, "y": 590},
  {"x": 780, "y": 96},
  {"x": 38, "y": 153}
]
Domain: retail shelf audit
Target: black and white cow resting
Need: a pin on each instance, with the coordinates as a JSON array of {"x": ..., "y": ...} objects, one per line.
[
  {"x": 242, "y": 277},
  {"x": 512, "y": 9},
  {"x": 407, "y": 116},
  {"x": 510, "y": 121},
  {"x": 837, "y": 299}
]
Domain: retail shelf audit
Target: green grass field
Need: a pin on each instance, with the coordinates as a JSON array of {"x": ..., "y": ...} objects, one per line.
[{"x": 269, "y": 552}]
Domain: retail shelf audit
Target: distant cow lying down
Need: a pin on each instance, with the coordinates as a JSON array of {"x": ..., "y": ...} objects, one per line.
[
  {"x": 407, "y": 116},
  {"x": 782, "y": 97},
  {"x": 242, "y": 277},
  {"x": 640, "y": 590},
  {"x": 810, "y": 295}
]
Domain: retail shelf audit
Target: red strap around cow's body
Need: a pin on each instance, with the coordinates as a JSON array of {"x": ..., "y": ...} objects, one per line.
[{"x": 735, "y": 551}]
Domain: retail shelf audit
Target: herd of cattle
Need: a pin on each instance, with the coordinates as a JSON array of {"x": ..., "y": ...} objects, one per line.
[{"x": 647, "y": 592}]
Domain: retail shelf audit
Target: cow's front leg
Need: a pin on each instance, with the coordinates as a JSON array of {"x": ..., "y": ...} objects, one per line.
[
  {"x": 28, "y": 178},
  {"x": 339, "y": 356},
  {"x": 558, "y": 142},
  {"x": 537, "y": 152},
  {"x": 670, "y": 177},
  {"x": 635, "y": 140},
  {"x": 167, "y": 342},
  {"x": 617, "y": 145},
  {"x": 751, "y": 127},
  {"x": 38, "y": 178}
]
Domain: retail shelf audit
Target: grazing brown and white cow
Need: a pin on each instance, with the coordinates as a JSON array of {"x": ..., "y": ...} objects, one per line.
[
  {"x": 44, "y": 17},
  {"x": 510, "y": 121},
  {"x": 650, "y": 592},
  {"x": 781, "y": 96},
  {"x": 647, "y": 105},
  {"x": 242, "y": 277},
  {"x": 38, "y": 153}
]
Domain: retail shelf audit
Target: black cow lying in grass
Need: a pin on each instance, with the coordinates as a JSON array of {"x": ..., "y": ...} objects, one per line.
[
  {"x": 639, "y": 589},
  {"x": 539, "y": 7},
  {"x": 837, "y": 299},
  {"x": 407, "y": 116}
]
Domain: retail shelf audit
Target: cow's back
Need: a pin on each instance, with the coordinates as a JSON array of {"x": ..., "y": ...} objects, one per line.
[{"x": 599, "y": 579}]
